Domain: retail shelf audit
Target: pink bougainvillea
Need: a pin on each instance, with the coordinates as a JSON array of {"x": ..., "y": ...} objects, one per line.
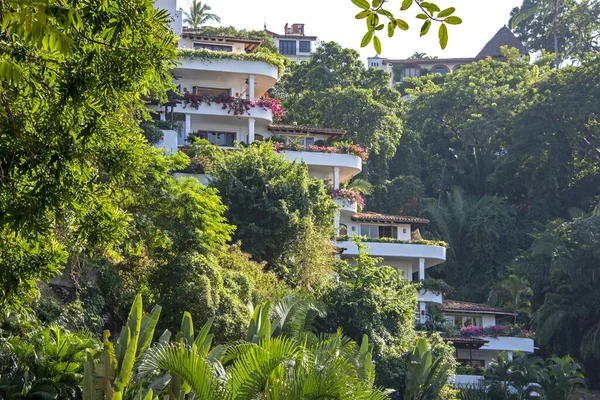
[
  {"x": 349, "y": 196},
  {"x": 336, "y": 148},
  {"x": 235, "y": 105}
]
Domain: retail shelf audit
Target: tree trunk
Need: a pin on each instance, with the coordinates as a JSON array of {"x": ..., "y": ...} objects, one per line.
[{"x": 556, "y": 4}]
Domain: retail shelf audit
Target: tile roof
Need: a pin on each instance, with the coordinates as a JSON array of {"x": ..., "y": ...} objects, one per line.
[
  {"x": 306, "y": 129},
  {"x": 389, "y": 219},
  {"x": 466, "y": 307},
  {"x": 466, "y": 341}
]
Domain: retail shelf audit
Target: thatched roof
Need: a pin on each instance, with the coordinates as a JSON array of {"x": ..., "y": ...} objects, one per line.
[{"x": 504, "y": 37}]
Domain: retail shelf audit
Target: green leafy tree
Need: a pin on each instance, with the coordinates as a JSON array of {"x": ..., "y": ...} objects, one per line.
[
  {"x": 334, "y": 89},
  {"x": 481, "y": 233},
  {"x": 283, "y": 216},
  {"x": 566, "y": 28},
  {"x": 199, "y": 14},
  {"x": 518, "y": 292},
  {"x": 72, "y": 80}
]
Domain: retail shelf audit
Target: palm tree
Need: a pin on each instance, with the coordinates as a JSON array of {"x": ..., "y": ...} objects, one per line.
[
  {"x": 199, "y": 14},
  {"x": 519, "y": 292}
]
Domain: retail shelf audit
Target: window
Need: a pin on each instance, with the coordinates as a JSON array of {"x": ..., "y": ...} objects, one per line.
[
  {"x": 287, "y": 47},
  {"x": 204, "y": 91},
  {"x": 439, "y": 69},
  {"x": 371, "y": 231},
  {"x": 304, "y": 46},
  {"x": 217, "y": 138},
  {"x": 460, "y": 321},
  {"x": 410, "y": 72},
  {"x": 343, "y": 230},
  {"x": 304, "y": 141},
  {"x": 212, "y": 47},
  {"x": 388, "y": 232},
  {"x": 375, "y": 231}
]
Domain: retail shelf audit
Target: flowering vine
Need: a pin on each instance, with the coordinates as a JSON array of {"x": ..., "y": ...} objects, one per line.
[
  {"x": 349, "y": 196},
  {"x": 235, "y": 105},
  {"x": 336, "y": 148}
]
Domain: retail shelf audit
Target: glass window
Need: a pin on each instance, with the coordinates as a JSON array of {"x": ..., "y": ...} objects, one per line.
[
  {"x": 287, "y": 47},
  {"x": 439, "y": 70},
  {"x": 212, "y": 47},
  {"x": 218, "y": 138},
  {"x": 388, "y": 232},
  {"x": 410, "y": 72},
  {"x": 304, "y": 46},
  {"x": 460, "y": 321},
  {"x": 204, "y": 91}
]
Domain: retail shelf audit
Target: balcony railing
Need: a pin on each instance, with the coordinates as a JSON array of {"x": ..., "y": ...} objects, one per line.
[{"x": 367, "y": 239}]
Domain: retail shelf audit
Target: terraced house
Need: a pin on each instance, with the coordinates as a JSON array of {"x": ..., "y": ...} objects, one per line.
[{"x": 222, "y": 84}]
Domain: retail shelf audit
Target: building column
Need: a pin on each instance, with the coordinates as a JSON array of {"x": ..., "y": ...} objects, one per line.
[
  {"x": 422, "y": 312},
  {"x": 188, "y": 127},
  {"x": 251, "y": 122},
  {"x": 509, "y": 354},
  {"x": 251, "y": 87},
  {"x": 421, "y": 269},
  {"x": 336, "y": 222},
  {"x": 336, "y": 178}
]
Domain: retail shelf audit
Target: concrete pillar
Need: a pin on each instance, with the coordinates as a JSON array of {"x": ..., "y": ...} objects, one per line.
[
  {"x": 510, "y": 355},
  {"x": 251, "y": 88},
  {"x": 336, "y": 178},
  {"x": 336, "y": 222},
  {"x": 422, "y": 312},
  {"x": 421, "y": 269},
  {"x": 188, "y": 128},
  {"x": 251, "y": 122}
]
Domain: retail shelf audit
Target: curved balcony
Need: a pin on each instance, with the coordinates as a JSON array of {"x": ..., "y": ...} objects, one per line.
[
  {"x": 346, "y": 205},
  {"x": 320, "y": 165},
  {"x": 215, "y": 109},
  {"x": 433, "y": 255},
  {"x": 202, "y": 178},
  {"x": 427, "y": 296},
  {"x": 508, "y": 343},
  {"x": 466, "y": 380},
  {"x": 229, "y": 70}
]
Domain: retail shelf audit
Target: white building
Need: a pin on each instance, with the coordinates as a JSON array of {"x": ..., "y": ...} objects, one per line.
[
  {"x": 489, "y": 338},
  {"x": 410, "y": 68},
  {"x": 222, "y": 81},
  {"x": 293, "y": 43}
]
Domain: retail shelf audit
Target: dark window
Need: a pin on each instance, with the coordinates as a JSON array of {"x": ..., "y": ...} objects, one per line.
[
  {"x": 343, "y": 230},
  {"x": 304, "y": 46},
  {"x": 388, "y": 232},
  {"x": 213, "y": 47},
  {"x": 204, "y": 91},
  {"x": 218, "y": 138},
  {"x": 287, "y": 47}
]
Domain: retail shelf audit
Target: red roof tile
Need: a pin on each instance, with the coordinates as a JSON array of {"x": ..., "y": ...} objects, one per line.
[
  {"x": 456, "y": 306},
  {"x": 389, "y": 219}
]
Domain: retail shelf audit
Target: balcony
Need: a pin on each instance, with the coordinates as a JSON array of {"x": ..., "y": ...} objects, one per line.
[
  {"x": 427, "y": 296},
  {"x": 433, "y": 254},
  {"x": 508, "y": 343},
  {"x": 459, "y": 381},
  {"x": 230, "y": 67},
  {"x": 321, "y": 165},
  {"x": 346, "y": 205}
]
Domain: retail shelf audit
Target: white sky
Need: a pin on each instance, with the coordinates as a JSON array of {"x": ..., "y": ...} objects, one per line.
[{"x": 334, "y": 20}]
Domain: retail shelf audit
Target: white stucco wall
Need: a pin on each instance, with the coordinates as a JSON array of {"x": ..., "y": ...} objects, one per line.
[
  {"x": 169, "y": 142},
  {"x": 488, "y": 320},
  {"x": 176, "y": 15},
  {"x": 188, "y": 43}
]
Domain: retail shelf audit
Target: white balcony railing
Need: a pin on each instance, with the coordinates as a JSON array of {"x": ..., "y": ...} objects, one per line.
[
  {"x": 508, "y": 343},
  {"x": 346, "y": 205},
  {"x": 430, "y": 297}
]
